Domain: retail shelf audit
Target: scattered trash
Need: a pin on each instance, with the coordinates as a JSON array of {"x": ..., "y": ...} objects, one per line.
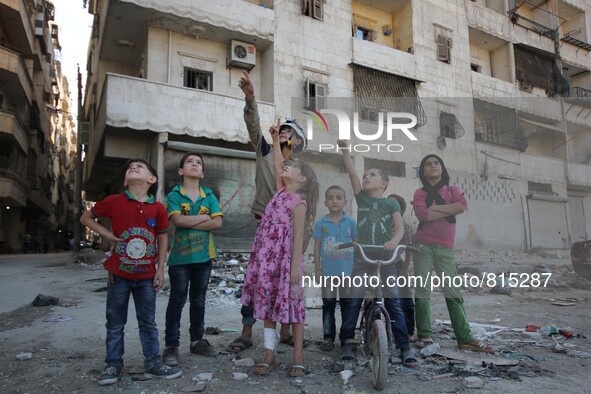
[
  {"x": 229, "y": 329},
  {"x": 472, "y": 382},
  {"x": 24, "y": 356},
  {"x": 200, "y": 386},
  {"x": 565, "y": 333},
  {"x": 430, "y": 350},
  {"x": 239, "y": 376},
  {"x": 232, "y": 262},
  {"x": 57, "y": 319},
  {"x": 443, "y": 376},
  {"x": 213, "y": 331},
  {"x": 548, "y": 330},
  {"x": 45, "y": 300},
  {"x": 345, "y": 376},
  {"x": 244, "y": 362},
  {"x": 205, "y": 376}
]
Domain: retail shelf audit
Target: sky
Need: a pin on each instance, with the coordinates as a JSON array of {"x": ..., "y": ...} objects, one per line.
[{"x": 75, "y": 25}]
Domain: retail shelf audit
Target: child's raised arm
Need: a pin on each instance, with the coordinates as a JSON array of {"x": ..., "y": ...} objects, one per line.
[
  {"x": 277, "y": 156},
  {"x": 350, "y": 167}
]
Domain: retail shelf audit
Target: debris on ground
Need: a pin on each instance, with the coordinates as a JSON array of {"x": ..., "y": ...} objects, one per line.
[{"x": 45, "y": 300}]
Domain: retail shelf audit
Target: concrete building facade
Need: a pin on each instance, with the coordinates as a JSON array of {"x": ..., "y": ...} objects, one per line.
[
  {"x": 37, "y": 145},
  {"x": 501, "y": 91}
]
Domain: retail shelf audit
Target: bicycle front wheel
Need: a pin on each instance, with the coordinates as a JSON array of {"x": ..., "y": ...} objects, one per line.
[{"x": 379, "y": 354}]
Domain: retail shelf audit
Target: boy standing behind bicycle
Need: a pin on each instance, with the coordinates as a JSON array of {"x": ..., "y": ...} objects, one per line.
[
  {"x": 377, "y": 217},
  {"x": 330, "y": 231}
]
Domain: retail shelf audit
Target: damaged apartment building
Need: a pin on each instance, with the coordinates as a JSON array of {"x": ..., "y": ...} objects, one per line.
[
  {"x": 500, "y": 89},
  {"x": 37, "y": 139}
]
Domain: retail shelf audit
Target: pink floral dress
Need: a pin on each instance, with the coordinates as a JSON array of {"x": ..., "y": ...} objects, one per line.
[{"x": 267, "y": 281}]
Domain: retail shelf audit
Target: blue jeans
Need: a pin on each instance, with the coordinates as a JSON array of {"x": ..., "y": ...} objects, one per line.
[
  {"x": 350, "y": 308},
  {"x": 398, "y": 322},
  {"x": 349, "y": 313},
  {"x": 408, "y": 308},
  {"x": 390, "y": 294},
  {"x": 197, "y": 275},
  {"x": 144, "y": 298}
]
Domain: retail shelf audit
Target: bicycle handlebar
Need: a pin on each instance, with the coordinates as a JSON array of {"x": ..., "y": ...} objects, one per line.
[{"x": 375, "y": 248}]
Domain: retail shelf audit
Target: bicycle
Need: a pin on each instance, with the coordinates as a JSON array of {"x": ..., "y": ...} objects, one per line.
[{"x": 375, "y": 329}]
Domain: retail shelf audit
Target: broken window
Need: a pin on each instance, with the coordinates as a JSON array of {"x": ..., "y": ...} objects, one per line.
[
  {"x": 498, "y": 125},
  {"x": 377, "y": 91},
  {"x": 198, "y": 79}
]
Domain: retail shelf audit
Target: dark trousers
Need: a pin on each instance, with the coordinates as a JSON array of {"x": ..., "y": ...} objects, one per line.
[{"x": 182, "y": 278}]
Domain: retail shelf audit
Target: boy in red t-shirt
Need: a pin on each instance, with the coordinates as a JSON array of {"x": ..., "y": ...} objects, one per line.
[{"x": 139, "y": 226}]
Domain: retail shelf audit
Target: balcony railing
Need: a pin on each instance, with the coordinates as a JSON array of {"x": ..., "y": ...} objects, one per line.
[{"x": 580, "y": 96}]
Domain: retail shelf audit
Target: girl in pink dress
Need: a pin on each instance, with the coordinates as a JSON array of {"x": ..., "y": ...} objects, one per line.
[{"x": 273, "y": 283}]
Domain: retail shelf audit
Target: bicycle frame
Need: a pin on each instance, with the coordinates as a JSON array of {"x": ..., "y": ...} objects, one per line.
[{"x": 373, "y": 308}]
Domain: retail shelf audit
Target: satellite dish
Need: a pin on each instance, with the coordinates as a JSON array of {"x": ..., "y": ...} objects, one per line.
[{"x": 440, "y": 142}]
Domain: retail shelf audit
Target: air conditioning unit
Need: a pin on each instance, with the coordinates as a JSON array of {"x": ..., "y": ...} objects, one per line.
[{"x": 242, "y": 55}]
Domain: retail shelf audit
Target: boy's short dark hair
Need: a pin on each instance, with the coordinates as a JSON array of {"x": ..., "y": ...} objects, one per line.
[
  {"x": 337, "y": 188},
  {"x": 186, "y": 155},
  {"x": 401, "y": 202},
  {"x": 154, "y": 187}
]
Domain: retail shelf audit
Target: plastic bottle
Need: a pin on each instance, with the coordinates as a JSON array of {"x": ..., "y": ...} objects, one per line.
[{"x": 548, "y": 330}]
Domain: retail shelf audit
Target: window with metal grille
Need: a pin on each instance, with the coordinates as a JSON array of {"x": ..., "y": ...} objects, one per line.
[
  {"x": 386, "y": 92},
  {"x": 536, "y": 187},
  {"x": 498, "y": 125},
  {"x": 392, "y": 168},
  {"x": 313, "y": 8},
  {"x": 198, "y": 79},
  {"x": 450, "y": 126}
]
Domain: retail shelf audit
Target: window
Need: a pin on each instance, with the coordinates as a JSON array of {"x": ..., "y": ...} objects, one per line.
[
  {"x": 363, "y": 33},
  {"x": 369, "y": 114},
  {"x": 443, "y": 49},
  {"x": 313, "y": 8},
  {"x": 198, "y": 79},
  {"x": 498, "y": 125},
  {"x": 315, "y": 95},
  {"x": 536, "y": 187},
  {"x": 475, "y": 67},
  {"x": 378, "y": 91},
  {"x": 449, "y": 126}
]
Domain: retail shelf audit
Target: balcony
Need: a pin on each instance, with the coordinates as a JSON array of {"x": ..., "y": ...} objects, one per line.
[
  {"x": 14, "y": 77},
  {"x": 214, "y": 20},
  {"x": 17, "y": 22},
  {"x": 553, "y": 169},
  {"x": 12, "y": 188},
  {"x": 580, "y": 96},
  {"x": 10, "y": 125},
  {"x": 490, "y": 21},
  {"x": 144, "y": 105},
  {"x": 386, "y": 59},
  {"x": 579, "y": 174}
]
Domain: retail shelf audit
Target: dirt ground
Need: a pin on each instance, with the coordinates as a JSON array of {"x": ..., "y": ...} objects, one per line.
[{"x": 66, "y": 341}]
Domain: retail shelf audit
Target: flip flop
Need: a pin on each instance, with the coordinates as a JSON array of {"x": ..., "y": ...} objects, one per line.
[
  {"x": 239, "y": 345},
  {"x": 424, "y": 342},
  {"x": 297, "y": 371},
  {"x": 476, "y": 346},
  {"x": 264, "y": 368}
]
